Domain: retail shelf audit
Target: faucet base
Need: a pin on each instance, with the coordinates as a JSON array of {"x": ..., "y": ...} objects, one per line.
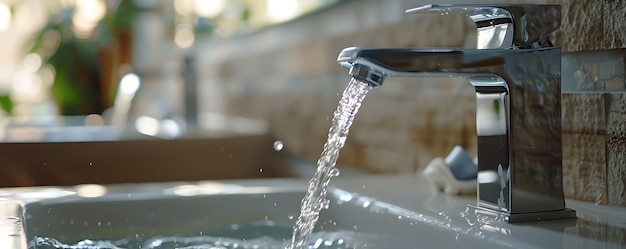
[{"x": 526, "y": 217}]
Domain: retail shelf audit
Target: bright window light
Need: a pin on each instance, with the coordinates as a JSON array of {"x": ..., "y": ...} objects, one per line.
[{"x": 281, "y": 10}]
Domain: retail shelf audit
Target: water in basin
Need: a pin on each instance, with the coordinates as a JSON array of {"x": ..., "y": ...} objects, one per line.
[{"x": 261, "y": 218}]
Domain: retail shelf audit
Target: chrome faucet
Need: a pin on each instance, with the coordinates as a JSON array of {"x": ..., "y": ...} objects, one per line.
[{"x": 516, "y": 73}]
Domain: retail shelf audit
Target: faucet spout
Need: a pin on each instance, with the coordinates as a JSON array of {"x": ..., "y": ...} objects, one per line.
[{"x": 518, "y": 119}]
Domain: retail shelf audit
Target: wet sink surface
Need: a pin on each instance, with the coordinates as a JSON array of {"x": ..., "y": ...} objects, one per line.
[
  {"x": 377, "y": 212},
  {"x": 230, "y": 212}
]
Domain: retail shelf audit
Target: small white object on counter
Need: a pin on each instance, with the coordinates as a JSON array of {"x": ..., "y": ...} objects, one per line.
[{"x": 454, "y": 175}]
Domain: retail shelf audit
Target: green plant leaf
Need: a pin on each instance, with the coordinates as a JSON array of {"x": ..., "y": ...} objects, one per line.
[{"x": 6, "y": 104}]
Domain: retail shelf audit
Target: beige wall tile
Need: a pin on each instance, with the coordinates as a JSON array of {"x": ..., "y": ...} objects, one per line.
[
  {"x": 583, "y": 113},
  {"x": 616, "y": 166},
  {"x": 584, "y": 167},
  {"x": 616, "y": 146},
  {"x": 616, "y": 121},
  {"x": 581, "y": 27},
  {"x": 614, "y": 16}
]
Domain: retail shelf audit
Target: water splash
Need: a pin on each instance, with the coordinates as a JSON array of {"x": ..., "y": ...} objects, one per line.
[
  {"x": 315, "y": 199},
  {"x": 278, "y": 145},
  {"x": 341, "y": 239}
]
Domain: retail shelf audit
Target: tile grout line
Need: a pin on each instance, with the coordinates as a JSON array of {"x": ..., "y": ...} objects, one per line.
[{"x": 607, "y": 100}]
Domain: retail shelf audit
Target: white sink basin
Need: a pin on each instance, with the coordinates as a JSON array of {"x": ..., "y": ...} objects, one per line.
[
  {"x": 389, "y": 212},
  {"x": 231, "y": 212}
]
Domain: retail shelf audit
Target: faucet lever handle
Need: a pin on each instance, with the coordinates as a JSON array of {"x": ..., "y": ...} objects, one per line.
[{"x": 505, "y": 26}]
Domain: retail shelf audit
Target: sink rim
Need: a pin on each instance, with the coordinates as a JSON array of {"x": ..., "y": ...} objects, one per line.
[{"x": 385, "y": 188}]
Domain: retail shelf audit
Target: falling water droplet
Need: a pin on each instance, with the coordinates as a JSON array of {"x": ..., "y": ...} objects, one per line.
[
  {"x": 278, "y": 145},
  {"x": 334, "y": 172},
  {"x": 325, "y": 204}
]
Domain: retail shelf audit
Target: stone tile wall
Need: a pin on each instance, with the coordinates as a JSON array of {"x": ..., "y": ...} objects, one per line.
[
  {"x": 594, "y": 125},
  {"x": 288, "y": 75},
  {"x": 594, "y": 122}
]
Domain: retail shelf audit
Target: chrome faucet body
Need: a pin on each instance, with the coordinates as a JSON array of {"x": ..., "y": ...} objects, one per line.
[{"x": 516, "y": 74}]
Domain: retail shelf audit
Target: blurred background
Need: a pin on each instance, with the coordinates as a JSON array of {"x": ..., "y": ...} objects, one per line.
[
  {"x": 95, "y": 82},
  {"x": 107, "y": 91},
  {"x": 65, "y": 63},
  {"x": 124, "y": 91},
  {"x": 67, "y": 57}
]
